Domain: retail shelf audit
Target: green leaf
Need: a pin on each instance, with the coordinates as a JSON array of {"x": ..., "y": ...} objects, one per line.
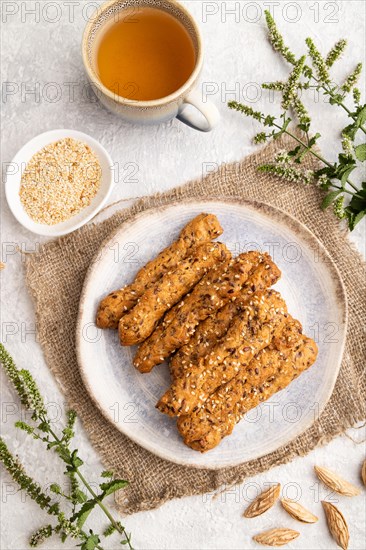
[
  {"x": 75, "y": 460},
  {"x": 358, "y": 218},
  {"x": 269, "y": 120},
  {"x": 356, "y": 209},
  {"x": 82, "y": 515},
  {"x": 52, "y": 444},
  {"x": 108, "y": 531},
  {"x": 327, "y": 170},
  {"x": 345, "y": 167},
  {"x": 360, "y": 152},
  {"x": 361, "y": 116},
  {"x": 286, "y": 122},
  {"x": 350, "y": 131},
  {"x": 54, "y": 509},
  {"x": 91, "y": 542},
  {"x": 55, "y": 488},
  {"x": 304, "y": 126},
  {"x": 358, "y": 201},
  {"x": 302, "y": 155},
  {"x": 353, "y": 218},
  {"x": 112, "y": 486},
  {"x": 361, "y": 193},
  {"x": 294, "y": 152},
  {"x": 330, "y": 198},
  {"x": 314, "y": 139},
  {"x": 80, "y": 496},
  {"x": 326, "y": 185},
  {"x": 44, "y": 427},
  {"x": 346, "y": 173},
  {"x": 337, "y": 98},
  {"x": 106, "y": 473},
  {"x": 345, "y": 161}
]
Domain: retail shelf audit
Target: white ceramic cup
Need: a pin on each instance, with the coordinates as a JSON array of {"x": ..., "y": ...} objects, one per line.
[{"x": 158, "y": 110}]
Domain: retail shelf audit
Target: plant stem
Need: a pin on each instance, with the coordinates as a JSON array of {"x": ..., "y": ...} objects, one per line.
[
  {"x": 340, "y": 103},
  {"x": 352, "y": 185},
  {"x": 317, "y": 156},
  {"x": 100, "y": 503},
  {"x": 92, "y": 492}
]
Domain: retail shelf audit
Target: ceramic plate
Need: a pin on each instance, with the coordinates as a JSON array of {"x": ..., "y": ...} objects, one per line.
[{"x": 314, "y": 294}]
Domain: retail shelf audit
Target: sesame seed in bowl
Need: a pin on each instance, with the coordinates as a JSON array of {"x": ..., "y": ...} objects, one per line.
[{"x": 58, "y": 181}]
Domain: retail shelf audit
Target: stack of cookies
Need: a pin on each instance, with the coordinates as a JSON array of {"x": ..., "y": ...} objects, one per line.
[{"x": 229, "y": 337}]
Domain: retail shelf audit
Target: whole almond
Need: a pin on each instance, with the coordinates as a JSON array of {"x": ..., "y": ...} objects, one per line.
[
  {"x": 337, "y": 524},
  {"x": 276, "y": 537},
  {"x": 336, "y": 482},
  {"x": 263, "y": 502},
  {"x": 363, "y": 472},
  {"x": 297, "y": 511}
]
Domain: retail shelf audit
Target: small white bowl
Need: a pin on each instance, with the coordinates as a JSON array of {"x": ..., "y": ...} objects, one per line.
[{"x": 17, "y": 167}]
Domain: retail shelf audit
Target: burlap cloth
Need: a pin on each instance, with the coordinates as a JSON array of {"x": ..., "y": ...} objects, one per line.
[{"x": 55, "y": 277}]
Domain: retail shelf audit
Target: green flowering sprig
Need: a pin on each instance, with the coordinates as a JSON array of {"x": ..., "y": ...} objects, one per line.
[
  {"x": 24, "y": 385},
  {"x": 289, "y": 92},
  {"x": 40, "y": 536},
  {"x": 302, "y": 114},
  {"x": 333, "y": 177},
  {"x": 284, "y": 167},
  {"x": 81, "y": 498},
  {"x": 277, "y": 41},
  {"x": 352, "y": 79},
  {"x": 277, "y": 86},
  {"x": 318, "y": 62},
  {"x": 34, "y": 490},
  {"x": 338, "y": 208},
  {"x": 335, "y": 53},
  {"x": 356, "y": 96}
]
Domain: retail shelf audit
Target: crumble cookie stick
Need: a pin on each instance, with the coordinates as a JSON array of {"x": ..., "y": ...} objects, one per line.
[
  {"x": 202, "y": 228},
  {"x": 250, "y": 332},
  {"x": 140, "y": 321},
  {"x": 214, "y": 327},
  {"x": 219, "y": 286},
  {"x": 206, "y": 427},
  {"x": 219, "y": 405}
]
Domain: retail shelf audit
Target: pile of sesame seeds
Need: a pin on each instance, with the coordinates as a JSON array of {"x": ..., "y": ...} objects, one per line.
[{"x": 59, "y": 181}]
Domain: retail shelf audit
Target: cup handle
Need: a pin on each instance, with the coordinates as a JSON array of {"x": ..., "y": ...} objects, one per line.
[{"x": 208, "y": 110}]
